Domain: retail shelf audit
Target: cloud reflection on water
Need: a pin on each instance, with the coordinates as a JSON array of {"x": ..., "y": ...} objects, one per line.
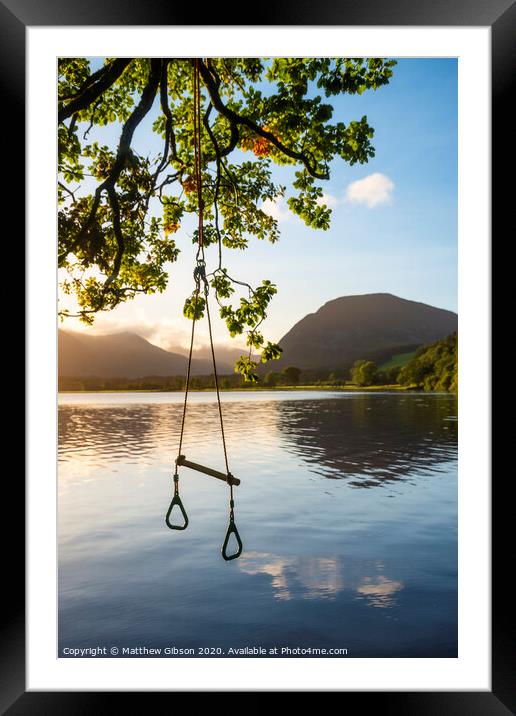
[{"x": 310, "y": 577}]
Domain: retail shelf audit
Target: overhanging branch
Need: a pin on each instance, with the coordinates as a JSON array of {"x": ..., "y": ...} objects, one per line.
[
  {"x": 237, "y": 119},
  {"x": 93, "y": 91},
  {"x": 143, "y": 107}
]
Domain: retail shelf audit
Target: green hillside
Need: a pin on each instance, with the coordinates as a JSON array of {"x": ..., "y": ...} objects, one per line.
[
  {"x": 398, "y": 360},
  {"x": 434, "y": 367}
]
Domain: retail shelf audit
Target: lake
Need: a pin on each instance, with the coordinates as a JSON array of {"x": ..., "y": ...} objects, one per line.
[{"x": 347, "y": 509}]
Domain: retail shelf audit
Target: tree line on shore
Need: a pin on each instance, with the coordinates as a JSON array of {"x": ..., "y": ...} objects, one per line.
[{"x": 433, "y": 368}]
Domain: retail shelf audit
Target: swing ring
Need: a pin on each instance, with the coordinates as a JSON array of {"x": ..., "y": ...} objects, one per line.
[
  {"x": 176, "y": 501},
  {"x": 232, "y": 530}
]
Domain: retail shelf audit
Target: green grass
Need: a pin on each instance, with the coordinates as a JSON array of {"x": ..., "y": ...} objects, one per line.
[{"x": 398, "y": 360}]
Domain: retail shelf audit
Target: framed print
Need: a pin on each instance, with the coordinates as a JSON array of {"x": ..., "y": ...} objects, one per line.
[{"x": 229, "y": 489}]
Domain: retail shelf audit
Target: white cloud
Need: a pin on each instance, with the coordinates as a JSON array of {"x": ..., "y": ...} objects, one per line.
[
  {"x": 327, "y": 200},
  {"x": 372, "y": 191},
  {"x": 277, "y": 209}
]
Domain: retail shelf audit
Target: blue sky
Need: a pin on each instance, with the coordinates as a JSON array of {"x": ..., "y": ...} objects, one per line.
[{"x": 394, "y": 230}]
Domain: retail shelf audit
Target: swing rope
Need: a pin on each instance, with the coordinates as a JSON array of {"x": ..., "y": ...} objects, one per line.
[
  {"x": 200, "y": 249},
  {"x": 200, "y": 276},
  {"x": 187, "y": 385},
  {"x": 199, "y": 273}
]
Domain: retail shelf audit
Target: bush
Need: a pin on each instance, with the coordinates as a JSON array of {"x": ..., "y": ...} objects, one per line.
[{"x": 364, "y": 372}]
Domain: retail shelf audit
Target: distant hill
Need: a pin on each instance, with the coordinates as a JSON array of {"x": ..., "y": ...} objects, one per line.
[
  {"x": 225, "y": 354},
  {"x": 122, "y": 355},
  {"x": 373, "y": 326}
]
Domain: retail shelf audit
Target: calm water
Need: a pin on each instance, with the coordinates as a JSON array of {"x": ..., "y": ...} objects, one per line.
[{"x": 347, "y": 510}]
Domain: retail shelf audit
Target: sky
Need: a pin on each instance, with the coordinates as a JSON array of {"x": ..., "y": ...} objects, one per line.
[{"x": 393, "y": 228}]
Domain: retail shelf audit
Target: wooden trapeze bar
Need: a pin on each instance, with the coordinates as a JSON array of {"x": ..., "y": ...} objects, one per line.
[{"x": 181, "y": 460}]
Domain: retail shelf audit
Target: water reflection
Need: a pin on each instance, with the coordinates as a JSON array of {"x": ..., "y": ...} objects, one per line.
[
  {"x": 371, "y": 439},
  {"x": 323, "y": 565},
  {"x": 305, "y": 577},
  {"x": 134, "y": 432},
  {"x": 309, "y": 577},
  {"x": 379, "y": 591}
]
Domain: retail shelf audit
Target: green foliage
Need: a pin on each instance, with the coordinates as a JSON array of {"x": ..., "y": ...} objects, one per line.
[
  {"x": 247, "y": 316},
  {"x": 398, "y": 360},
  {"x": 194, "y": 307},
  {"x": 247, "y": 368},
  {"x": 434, "y": 367},
  {"x": 305, "y": 203},
  {"x": 271, "y": 352},
  {"x": 291, "y": 374},
  {"x": 222, "y": 285},
  {"x": 335, "y": 379},
  {"x": 389, "y": 376},
  {"x": 271, "y": 378},
  {"x": 115, "y": 240},
  {"x": 364, "y": 372}
]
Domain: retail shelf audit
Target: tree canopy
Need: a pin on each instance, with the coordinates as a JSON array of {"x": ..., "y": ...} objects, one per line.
[
  {"x": 118, "y": 239},
  {"x": 363, "y": 372},
  {"x": 434, "y": 367},
  {"x": 291, "y": 374}
]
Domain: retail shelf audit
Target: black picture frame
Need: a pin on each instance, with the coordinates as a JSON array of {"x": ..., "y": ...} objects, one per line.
[{"x": 15, "y": 17}]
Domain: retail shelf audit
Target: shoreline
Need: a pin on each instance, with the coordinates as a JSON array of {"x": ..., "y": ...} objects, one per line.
[{"x": 284, "y": 388}]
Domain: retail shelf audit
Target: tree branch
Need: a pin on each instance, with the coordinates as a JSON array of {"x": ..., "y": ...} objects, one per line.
[
  {"x": 93, "y": 91},
  {"x": 65, "y": 188},
  {"x": 219, "y": 153},
  {"x": 233, "y": 140},
  {"x": 143, "y": 107},
  {"x": 94, "y": 77},
  {"x": 117, "y": 228},
  {"x": 170, "y": 137},
  {"x": 237, "y": 119}
]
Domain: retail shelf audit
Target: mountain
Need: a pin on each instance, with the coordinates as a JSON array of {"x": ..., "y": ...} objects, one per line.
[
  {"x": 122, "y": 355},
  {"x": 226, "y": 354},
  {"x": 373, "y": 326}
]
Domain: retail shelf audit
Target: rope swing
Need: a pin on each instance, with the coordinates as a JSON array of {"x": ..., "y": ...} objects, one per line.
[{"x": 201, "y": 284}]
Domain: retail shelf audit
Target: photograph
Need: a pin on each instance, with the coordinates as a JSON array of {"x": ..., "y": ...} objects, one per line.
[{"x": 257, "y": 364}]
